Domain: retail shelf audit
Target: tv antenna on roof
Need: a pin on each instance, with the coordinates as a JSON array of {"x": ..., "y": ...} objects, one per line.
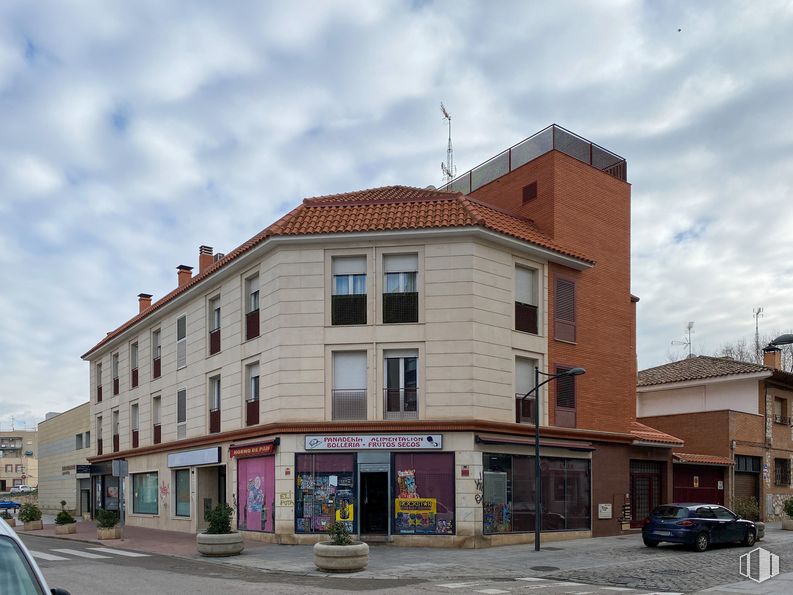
[
  {"x": 687, "y": 341},
  {"x": 448, "y": 169},
  {"x": 757, "y": 313}
]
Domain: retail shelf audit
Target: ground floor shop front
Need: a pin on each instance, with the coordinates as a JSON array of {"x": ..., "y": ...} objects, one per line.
[{"x": 448, "y": 489}]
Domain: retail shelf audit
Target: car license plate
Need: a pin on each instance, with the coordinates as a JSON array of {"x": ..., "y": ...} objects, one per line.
[{"x": 664, "y": 533}]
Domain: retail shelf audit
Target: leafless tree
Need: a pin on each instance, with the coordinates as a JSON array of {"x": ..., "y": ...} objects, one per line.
[{"x": 745, "y": 351}]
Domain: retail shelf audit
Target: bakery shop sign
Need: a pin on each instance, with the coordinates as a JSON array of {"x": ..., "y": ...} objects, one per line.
[
  {"x": 252, "y": 450},
  {"x": 375, "y": 442}
]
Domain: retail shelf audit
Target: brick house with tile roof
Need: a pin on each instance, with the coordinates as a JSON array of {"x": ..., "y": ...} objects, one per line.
[
  {"x": 367, "y": 358},
  {"x": 735, "y": 419}
]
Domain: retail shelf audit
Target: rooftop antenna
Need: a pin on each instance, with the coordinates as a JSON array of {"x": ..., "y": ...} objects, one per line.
[
  {"x": 687, "y": 341},
  {"x": 448, "y": 169},
  {"x": 12, "y": 423},
  {"x": 758, "y": 314}
]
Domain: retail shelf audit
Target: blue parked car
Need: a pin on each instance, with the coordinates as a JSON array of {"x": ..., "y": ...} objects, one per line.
[{"x": 697, "y": 525}]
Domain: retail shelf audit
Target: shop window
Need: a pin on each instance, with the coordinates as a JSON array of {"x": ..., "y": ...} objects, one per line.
[
  {"x": 256, "y": 489},
  {"x": 508, "y": 494},
  {"x": 348, "y": 302},
  {"x": 423, "y": 493},
  {"x": 181, "y": 481},
  {"x": 400, "y": 293},
  {"x": 144, "y": 493},
  {"x": 526, "y": 318},
  {"x": 324, "y": 492}
]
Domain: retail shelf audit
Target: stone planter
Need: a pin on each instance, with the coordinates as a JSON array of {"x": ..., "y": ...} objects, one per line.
[
  {"x": 112, "y": 533},
  {"x": 219, "y": 544},
  {"x": 33, "y": 525},
  {"x": 787, "y": 523},
  {"x": 760, "y": 527},
  {"x": 341, "y": 558},
  {"x": 66, "y": 529},
  {"x": 11, "y": 522}
]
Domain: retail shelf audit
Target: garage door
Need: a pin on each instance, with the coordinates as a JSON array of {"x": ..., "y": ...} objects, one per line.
[
  {"x": 746, "y": 485},
  {"x": 697, "y": 483}
]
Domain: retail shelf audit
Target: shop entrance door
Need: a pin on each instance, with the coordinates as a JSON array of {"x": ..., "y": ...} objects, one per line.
[
  {"x": 646, "y": 477},
  {"x": 374, "y": 503}
]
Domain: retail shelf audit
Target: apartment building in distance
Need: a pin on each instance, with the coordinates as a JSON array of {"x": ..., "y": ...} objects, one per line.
[
  {"x": 365, "y": 359},
  {"x": 19, "y": 464},
  {"x": 735, "y": 418}
]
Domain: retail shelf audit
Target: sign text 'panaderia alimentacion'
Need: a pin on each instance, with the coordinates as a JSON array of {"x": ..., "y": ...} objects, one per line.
[{"x": 376, "y": 441}]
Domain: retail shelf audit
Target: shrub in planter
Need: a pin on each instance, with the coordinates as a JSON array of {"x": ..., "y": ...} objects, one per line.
[
  {"x": 30, "y": 514},
  {"x": 341, "y": 553},
  {"x": 8, "y": 518},
  {"x": 107, "y": 524},
  {"x": 219, "y": 539},
  {"x": 787, "y": 519},
  {"x": 747, "y": 508},
  {"x": 65, "y": 523}
]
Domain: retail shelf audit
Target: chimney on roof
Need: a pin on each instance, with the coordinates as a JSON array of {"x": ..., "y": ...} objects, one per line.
[
  {"x": 205, "y": 258},
  {"x": 772, "y": 357},
  {"x": 184, "y": 273},
  {"x": 144, "y": 301}
]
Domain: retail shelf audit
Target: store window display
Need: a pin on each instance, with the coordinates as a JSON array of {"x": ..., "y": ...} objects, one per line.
[
  {"x": 324, "y": 492},
  {"x": 423, "y": 494}
]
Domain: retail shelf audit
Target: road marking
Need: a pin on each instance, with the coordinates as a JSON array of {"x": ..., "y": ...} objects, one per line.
[
  {"x": 81, "y": 554},
  {"x": 491, "y": 591},
  {"x": 460, "y": 585},
  {"x": 616, "y": 589},
  {"x": 43, "y": 556},
  {"x": 108, "y": 550},
  {"x": 530, "y": 578}
]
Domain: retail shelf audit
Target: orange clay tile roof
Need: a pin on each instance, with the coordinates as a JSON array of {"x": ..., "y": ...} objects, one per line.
[
  {"x": 687, "y": 457},
  {"x": 648, "y": 434},
  {"x": 389, "y": 208},
  {"x": 697, "y": 367}
]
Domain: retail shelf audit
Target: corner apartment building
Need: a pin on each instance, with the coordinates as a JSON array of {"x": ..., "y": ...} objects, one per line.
[
  {"x": 364, "y": 359},
  {"x": 735, "y": 419},
  {"x": 19, "y": 464},
  {"x": 64, "y": 447}
]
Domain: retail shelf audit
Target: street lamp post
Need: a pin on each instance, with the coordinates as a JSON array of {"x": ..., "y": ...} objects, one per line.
[
  {"x": 782, "y": 340},
  {"x": 537, "y": 477}
]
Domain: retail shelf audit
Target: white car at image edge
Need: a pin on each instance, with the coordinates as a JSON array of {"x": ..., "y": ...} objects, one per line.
[
  {"x": 19, "y": 573},
  {"x": 21, "y": 489}
]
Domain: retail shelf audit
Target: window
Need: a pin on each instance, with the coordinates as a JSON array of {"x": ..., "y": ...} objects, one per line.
[
  {"x": 564, "y": 309},
  {"x": 9, "y": 468},
  {"x": 781, "y": 414},
  {"x": 348, "y": 302},
  {"x": 214, "y": 404},
  {"x": 181, "y": 479},
  {"x": 78, "y": 442},
  {"x": 87, "y": 441},
  {"x": 782, "y": 472},
  {"x": 181, "y": 414},
  {"x": 98, "y": 434},
  {"x": 214, "y": 325},
  {"x": 116, "y": 445},
  {"x": 314, "y": 476},
  {"x": 401, "y": 385},
  {"x": 400, "y": 295},
  {"x": 156, "y": 353},
  {"x": 524, "y": 382},
  {"x": 723, "y": 514},
  {"x": 565, "y": 399},
  {"x": 349, "y": 385},
  {"x": 18, "y": 469},
  {"x": 144, "y": 493},
  {"x": 99, "y": 383},
  {"x": 746, "y": 464},
  {"x": 252, "y": 394},
  {"x": 156, "y": 404},
  {"x": 133, "y": 362},
  {"x": 114, "y": 369},
  {"x": 134, "y": 419},
  {"x": 424, "y": 493},
  {"x": 529, "y": 192},
  {"x": 181, "y": 342},
  {"x": 526, "y": 318},
  {"x": 252, "y": 307}
]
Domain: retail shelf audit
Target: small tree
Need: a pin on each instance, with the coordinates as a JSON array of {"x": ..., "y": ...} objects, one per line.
[
  {"x": 106, "y": 519},
  {"x": 747, "y": 508},
  {"x": 219, "y": 519},
  {"x": 339, "y": 535},
  {"x": 64, "y": 518},
  {"x": 29, "y": 512}
]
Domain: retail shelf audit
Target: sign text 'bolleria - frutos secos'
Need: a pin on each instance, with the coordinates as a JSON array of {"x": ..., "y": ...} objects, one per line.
[{"x": 377, "y": 441}]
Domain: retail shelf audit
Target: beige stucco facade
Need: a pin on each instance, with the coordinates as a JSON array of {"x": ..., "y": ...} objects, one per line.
[
  {"x": 59, "y": 437},
  {"x": 19, "y": 459}
]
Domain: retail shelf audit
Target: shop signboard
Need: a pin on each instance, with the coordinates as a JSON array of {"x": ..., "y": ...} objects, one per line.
[
  {"x": 189, "y": 458},
  {"x": 376, "y": 441},
  {"x": 252, "y": 450}
]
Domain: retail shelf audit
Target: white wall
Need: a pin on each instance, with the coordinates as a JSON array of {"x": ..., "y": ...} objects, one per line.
[{"x": 735, "y": 395}]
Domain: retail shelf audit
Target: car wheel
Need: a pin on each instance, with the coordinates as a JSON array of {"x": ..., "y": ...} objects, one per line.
[
  {"x": 749, "y": 539},
  {"x": 701, "y": 542},
  {"x": 650, "y": 542}
]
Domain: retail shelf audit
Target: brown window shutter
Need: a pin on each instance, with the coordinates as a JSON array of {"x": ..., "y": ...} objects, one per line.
[
  {"x": 564, "y": 310},
  {"x": 565, "y": 399}
]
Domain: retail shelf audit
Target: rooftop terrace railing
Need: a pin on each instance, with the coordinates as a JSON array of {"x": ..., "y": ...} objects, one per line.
[{"x": 553, "y": 137}]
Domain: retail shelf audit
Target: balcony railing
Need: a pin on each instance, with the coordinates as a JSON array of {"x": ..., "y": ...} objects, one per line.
[
  {"x": 134, "y": 377},
  {"x": 252, "y": 412},
  {"x": 551, "y": 138},
  {"x": 115, "y": 442},
  {"x": 134, "y": 438},
  {"x": 400, "y": 307},
  {"x": 214, "y": 421},
  {"x": 99, "y": 394},
  {"x": 251, "y": 325},
  {"x": 782, "y": 419},
  {"x": 401, "y": 403},
  {"x": 98, "y": 446},
  {"x": 156, "y": 367},
  {"x": 524, "y": 409},
  {"x": 115, "y": 386},
  {"x": 156, "y": 433},
  {"x": 348, "y": 309},
  {"x": 525, "y": 318},
  {"x": 349, "y": 404},
  {"x": 214, "y": 341}
]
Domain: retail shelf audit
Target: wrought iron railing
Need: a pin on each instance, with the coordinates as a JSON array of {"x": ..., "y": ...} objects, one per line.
[{"x": 782, "y": 419}]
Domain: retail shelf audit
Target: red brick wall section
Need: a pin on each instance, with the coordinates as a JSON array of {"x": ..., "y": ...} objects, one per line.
[{"x": 706, "y": 433}]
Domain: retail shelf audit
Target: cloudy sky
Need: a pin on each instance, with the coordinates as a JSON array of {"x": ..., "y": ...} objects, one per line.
[{"x": 133, "y": 132}]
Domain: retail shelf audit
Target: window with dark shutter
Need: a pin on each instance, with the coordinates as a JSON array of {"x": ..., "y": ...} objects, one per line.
[
  {"x": 529, "y": 192},
  {"x": 564, "y": 310},
  {"x": 565, "y": 399}
]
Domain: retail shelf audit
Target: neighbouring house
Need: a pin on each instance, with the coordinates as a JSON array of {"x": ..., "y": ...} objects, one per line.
[
  {"x": 365, "y": 359},
  {"x": 19, "y": 463},
  {"x": 64, "y": 445},
  {"x": 735, "y": 419}
]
